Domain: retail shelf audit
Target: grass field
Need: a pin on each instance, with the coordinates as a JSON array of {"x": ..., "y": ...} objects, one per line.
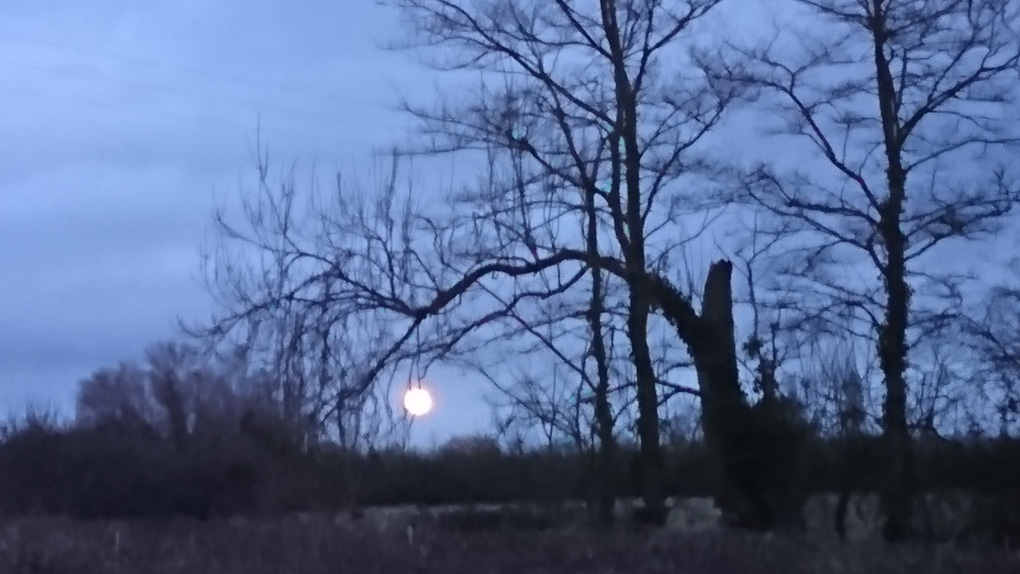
[{"x": 310, "y": 544}]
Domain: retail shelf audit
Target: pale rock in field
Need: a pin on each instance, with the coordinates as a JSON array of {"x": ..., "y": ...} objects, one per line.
[{"x": 693, "y": 515}]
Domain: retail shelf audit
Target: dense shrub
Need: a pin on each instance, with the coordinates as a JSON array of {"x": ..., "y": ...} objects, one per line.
[
  {"x": 123, "y": 469},
  {"x": 106, "y": 472}
]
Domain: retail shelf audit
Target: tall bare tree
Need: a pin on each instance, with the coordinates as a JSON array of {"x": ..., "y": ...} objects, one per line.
[
  {"x": 585, "y": 105},
  {"x": 586, "y": 95},
  {"x": 909, "y": 110}
]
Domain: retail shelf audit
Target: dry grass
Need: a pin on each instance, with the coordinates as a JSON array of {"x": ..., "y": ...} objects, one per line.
[{"x": 312, "y": 545}]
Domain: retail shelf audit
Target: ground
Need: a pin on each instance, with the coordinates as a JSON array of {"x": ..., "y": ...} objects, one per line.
[{"x": 310, "y": 544}]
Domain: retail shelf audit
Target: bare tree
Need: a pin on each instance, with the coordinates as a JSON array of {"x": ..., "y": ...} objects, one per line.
[
  {"x": 994, "y": 336},
  {"x": 177, "y": 392},
  {"x": 909, "y": 110},
  {"x": 605, "y": 420},
  {"x": 584, "y": 105},
  {"x": 576, "y": 92},
  {"x": 169, "y": 373},
  {"x": 587, "y": 414},
  {"x": 307, "y": 346},
  {"x": 119, "y": 394}
]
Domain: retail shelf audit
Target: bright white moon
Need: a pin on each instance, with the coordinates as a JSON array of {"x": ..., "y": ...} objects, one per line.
[{"x": 417, "y": 401}]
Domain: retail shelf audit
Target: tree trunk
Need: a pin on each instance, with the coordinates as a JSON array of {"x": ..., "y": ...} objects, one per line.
[
  {"x": 606, "y": 453},
  {"x": 892, "y": 346},
  {"x": 653, "y": 489},
  {"x": 897, "y": 492},
  {"x": 169, "y": 395},
  {"x": 606, "y": 493},
  {"x": 726, "y": 414}
]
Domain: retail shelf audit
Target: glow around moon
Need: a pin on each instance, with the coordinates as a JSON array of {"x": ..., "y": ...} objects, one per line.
[{"x": 417, "y": 401}]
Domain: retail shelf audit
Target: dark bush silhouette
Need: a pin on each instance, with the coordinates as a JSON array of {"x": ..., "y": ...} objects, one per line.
[
  {"x": 108, "y": 471},
  {"x": 121, "y": 468}
]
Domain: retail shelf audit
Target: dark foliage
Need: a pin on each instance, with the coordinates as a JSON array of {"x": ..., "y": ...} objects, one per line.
[
  {"x": 105, "y": 472},
  {"x": 117, "y": 471}
]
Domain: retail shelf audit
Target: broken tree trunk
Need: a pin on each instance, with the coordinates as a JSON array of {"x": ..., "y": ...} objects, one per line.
[
  {"x": 725, "y": 411},
  {"x": 755, "y": 451}
]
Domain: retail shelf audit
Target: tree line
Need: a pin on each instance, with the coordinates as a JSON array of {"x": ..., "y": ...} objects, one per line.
[{"x": 183, "y": 435}]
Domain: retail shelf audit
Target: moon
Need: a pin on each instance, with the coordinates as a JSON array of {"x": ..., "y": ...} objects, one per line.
[{"x": 417, "y": 401}]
